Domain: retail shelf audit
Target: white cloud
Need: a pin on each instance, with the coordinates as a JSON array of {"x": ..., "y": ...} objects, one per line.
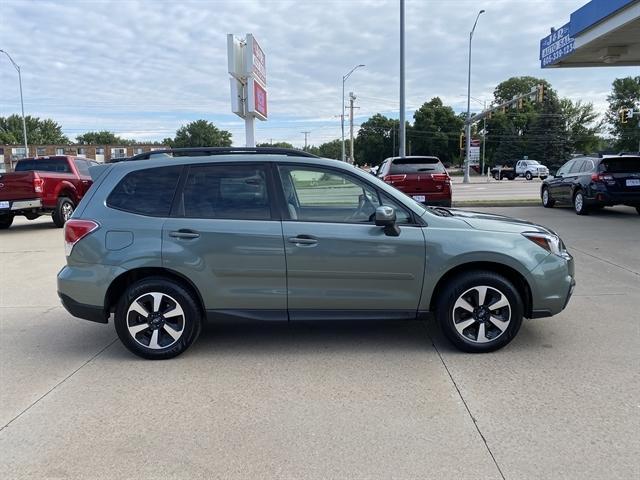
[{"x": 145, "y": 67}]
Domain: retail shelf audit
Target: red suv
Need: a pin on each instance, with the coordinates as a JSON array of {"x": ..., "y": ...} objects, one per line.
[{"x": 423, "y": 178}]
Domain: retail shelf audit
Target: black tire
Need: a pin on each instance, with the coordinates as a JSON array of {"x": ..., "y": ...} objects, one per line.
[
  {"x": 579, "y": 205},
  {"x": 528, "y": 176},
  {"x": 188, "y": 325},
  {"x": 512, "y": 176},
  {"x": 543, "y": 178},
  {"x": 62, "y": 213},
  {"x": 32, "y": 216},
  {"x": 496, "y": 176},
  {"x": 547, "y": 200},
  {"x": 638, "y": 210},
  {"x": 498, "y": 287},
  {"x": 5, "y": 221}
]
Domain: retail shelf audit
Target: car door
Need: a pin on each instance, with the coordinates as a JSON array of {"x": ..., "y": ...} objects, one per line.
[
  {"x": 570, "y": 180},
  {"x": 224, "y": 237},
  {"x": 339, "y": 263},
  {"x": 556, "y": 183}
]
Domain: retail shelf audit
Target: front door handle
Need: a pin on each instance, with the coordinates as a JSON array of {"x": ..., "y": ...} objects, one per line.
[
  {"x": 184, "y": 233},
  {"x": 303, "y": 240}
]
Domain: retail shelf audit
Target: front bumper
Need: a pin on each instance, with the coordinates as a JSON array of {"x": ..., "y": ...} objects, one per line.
[{"x": 552, "y": 286}]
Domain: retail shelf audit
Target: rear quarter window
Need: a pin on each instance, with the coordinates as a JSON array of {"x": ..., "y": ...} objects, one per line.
[
  {"x": 417, "y": 165},
  {"x": 56, "y": 165},
  {"x": 146, "y": 192}
]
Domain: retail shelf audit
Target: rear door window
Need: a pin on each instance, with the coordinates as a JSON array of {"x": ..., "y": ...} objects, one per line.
[
  {"x": 82, "y": 166},
  {"x": 146, "y": 192},
  {"x": 575, "y": 168},
  {"x": 622, "y": 165},
  {"x": 417, "y": 165},
  {"x": 237, "y": 192},
  {"x": 587, "y": 166}
]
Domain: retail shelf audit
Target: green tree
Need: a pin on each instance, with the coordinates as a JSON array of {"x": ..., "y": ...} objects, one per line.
[
  {"x": 583, "y": 125},
  {"x": 276, "y": 145},
  {"x": 625, "y": 93},
  {"x": 436, "y": 131},
  {"x": 375, "y": 140},
  {"x": 39, "y": 131},
  {"x": 103, "y": 137},
  {"x": 330, "y": 149},
  {"x": 201, "y": 133}
]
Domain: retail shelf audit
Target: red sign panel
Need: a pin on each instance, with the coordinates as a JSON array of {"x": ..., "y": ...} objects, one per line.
[{"x": 260, "y": 99}]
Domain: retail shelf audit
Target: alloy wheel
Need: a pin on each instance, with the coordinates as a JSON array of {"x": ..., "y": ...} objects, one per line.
[
  {"x": 155, "y": 320},
  {"x": 545, "y": 197},
  {"x": 481, "y": 314},
  {"x": 578, "y": 202},
  {"x": 67, "y": 211}
]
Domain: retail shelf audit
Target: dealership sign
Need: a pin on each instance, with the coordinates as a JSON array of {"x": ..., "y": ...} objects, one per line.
[
  {"x": 556, "y": 46},
  {"x": 248, "y": 69}
]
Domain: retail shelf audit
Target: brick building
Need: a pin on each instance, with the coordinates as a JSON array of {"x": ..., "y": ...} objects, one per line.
[{"x": 10, "y": 154}]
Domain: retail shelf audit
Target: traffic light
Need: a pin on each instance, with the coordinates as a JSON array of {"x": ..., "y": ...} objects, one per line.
[
  {"x": 626, "y": 114},
  {"x": 520, "y": 104},
  {"x": 461, "y": 140},
  {"x": 543, "y": 93}
]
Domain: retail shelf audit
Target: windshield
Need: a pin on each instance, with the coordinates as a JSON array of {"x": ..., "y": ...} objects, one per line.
[
  {"x": 416, "y": 165},
  {"x": 533, "y": 162},
  {"x": 59, "y": 165}
]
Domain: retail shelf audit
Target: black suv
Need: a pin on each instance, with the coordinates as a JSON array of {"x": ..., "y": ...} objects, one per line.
[{"x": 593, "y": 182}]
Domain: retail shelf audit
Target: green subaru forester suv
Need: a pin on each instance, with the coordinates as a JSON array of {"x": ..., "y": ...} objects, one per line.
[{"x": 269, "y": 234}]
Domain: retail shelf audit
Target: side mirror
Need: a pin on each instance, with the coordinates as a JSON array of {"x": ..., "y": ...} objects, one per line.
[{"x": 386, "y": 217}]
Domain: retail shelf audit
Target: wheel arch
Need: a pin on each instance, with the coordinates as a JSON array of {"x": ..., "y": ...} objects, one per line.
[
  {"x": 122, "y": 281},
  {"x": 66, "y": 189},
  {"x": 511, "y": 274}
]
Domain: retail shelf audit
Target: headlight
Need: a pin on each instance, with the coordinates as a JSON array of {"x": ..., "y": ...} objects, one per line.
[{"x": 551, "y": 243}]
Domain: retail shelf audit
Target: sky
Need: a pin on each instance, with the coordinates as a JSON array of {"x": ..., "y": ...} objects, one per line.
[{"x": 144, "y": 68}]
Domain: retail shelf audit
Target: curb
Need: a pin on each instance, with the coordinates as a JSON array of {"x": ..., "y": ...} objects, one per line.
[{"x": 527, "y": 202}]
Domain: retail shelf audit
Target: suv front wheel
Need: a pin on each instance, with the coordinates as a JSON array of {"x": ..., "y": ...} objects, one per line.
[
  {"x": 157, "y": 318},
  {"x": 480, "y": 311}
]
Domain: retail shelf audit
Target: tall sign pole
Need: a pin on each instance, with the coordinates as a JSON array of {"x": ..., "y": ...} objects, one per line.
[
  {"x": 403, "y": 137},
  {"x": 248, "y": 70}
]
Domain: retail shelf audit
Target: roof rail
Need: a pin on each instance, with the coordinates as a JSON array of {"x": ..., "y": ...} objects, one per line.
[{"x": 207, "y": 151}]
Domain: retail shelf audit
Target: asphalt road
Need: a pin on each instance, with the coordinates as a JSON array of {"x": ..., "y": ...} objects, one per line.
[{"x": 333, "y": 400}]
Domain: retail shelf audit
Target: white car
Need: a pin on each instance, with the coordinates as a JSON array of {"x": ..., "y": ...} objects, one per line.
[{"x": 531, "y": 168}]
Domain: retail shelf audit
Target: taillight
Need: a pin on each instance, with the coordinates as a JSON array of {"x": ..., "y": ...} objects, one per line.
[
  {"x": 38, "y": 184},
  {"x": 441, "y": 177},
  {"x": 391, "y": 179},
  {"x": 601, "y": 177},
  {"x": 76, "y": 230}
]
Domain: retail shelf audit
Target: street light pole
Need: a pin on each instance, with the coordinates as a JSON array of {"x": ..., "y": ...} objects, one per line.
[
  {"x": 468, "y": 123},
  {"x": 344, "y": 79},
  {"x": 403, "y": 137},
  {"x": 24, "y": 123}
]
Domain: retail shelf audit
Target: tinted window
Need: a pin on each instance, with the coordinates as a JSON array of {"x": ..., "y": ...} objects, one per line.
[
  {"x": 587, "y": 166},
  {"x": 576, "y": 166},
  {"x": 146, "y": 192},
  {"x": 319, "y": 195},
  {"x": 59, "y": 165},
  {"x": 227, "y": 191},
  {"x": 82, "y": 166},
  {"x": 417, "y": 165},
  {"x": 565, "y": 168},
  {"x": 622, "y": 165}
]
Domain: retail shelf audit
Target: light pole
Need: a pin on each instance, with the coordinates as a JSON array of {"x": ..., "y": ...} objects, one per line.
[
  {"x": 24, "y": 123},
  {"x": 403, "y": 139},
  {"x": 344, "y": 79},
  {"x": 468, "y": 123}
]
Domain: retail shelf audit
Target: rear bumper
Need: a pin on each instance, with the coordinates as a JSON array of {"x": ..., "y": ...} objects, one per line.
[
  {"x": 80, "y": 310},
  {"x": 605, "y": 197},
  {"x": 18, "y": 206}
]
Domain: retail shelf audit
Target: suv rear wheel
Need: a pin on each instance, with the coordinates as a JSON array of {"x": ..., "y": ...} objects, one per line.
[
  {"x": 157, "y": 318},
  {"x": 480, "y": 311},
  {"x": 578, "y": 203}
]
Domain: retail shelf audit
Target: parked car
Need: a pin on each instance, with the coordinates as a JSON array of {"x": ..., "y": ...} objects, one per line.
[
  {"x": 44, "y": 186},
  {"x": 595, "y": 182},
  {"x": 422, "y": 178},
  {"x": 163, "y": 244},
  {"x": 531, "y": 168},
  {"x": 505, "y": 170}
]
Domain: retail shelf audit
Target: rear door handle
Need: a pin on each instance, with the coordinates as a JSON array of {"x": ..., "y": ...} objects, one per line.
[
  {"x": 303, "y": 240},
  {"x": 184, "y": 233}
]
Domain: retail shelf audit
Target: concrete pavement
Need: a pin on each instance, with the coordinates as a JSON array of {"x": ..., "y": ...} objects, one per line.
[
  {"x": 479, "y": 189},
  {"x": 332, "y": 400}
]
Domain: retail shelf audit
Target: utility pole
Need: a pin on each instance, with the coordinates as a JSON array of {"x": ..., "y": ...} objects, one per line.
[
  {"x": 468, "y": 122},
  {"x": 484, "y": 138},
  {"x": 344, "y": 79},
  {"x": 402, "y": 138},
  {"x": 24, "y": 123},
  {"x": 305, "y": 140},
  {"x": 352, "y": 99}
]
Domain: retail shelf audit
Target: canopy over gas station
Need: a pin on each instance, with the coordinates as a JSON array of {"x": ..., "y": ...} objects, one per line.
[{"x": 602, "y": 33}]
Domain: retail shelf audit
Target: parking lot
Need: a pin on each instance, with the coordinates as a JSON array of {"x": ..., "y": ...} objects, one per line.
[{"x": 327, "y": 400}]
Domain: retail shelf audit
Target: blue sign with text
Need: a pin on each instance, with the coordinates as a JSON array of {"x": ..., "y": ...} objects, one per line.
[{"x": 556, "y": 46}]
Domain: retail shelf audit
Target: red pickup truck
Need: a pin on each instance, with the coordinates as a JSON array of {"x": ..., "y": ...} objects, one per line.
[{"x": 44, "y": 186}]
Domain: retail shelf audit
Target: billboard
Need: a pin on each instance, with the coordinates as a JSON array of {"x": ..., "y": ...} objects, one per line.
[
  {"x": 255, "y": 60},
  {"x": 247, "y": 66},
  {"x": 556, "y": 46},
  {"x": 257, "y": 101}
]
